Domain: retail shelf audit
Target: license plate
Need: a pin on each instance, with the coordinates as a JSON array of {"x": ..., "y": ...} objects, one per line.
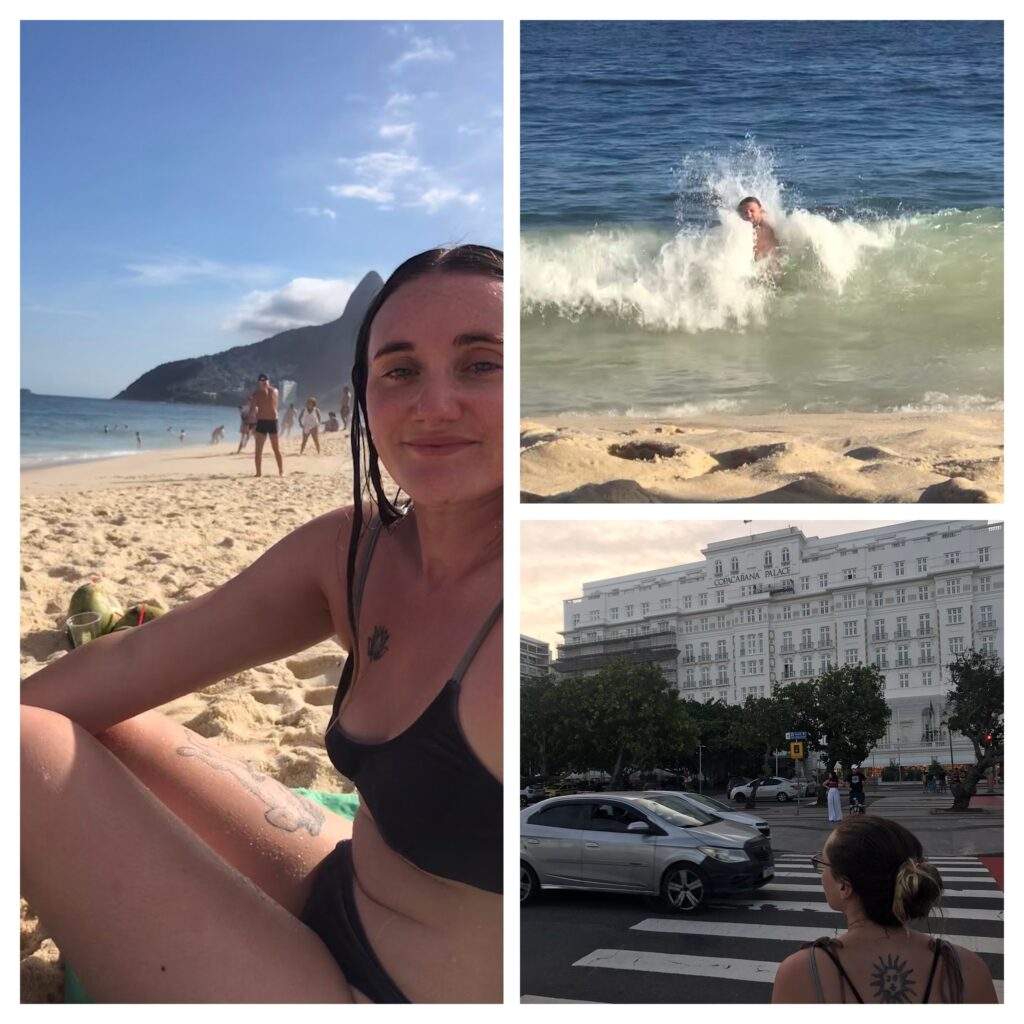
[{"x": 768, "y": 872}]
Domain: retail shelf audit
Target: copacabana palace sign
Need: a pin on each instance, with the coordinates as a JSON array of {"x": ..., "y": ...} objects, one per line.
[{"x": 754, "y": 575}]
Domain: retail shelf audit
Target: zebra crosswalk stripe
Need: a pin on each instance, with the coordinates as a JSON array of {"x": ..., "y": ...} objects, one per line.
[
  {"x": 673, "y": 963},
  {"x": 958, "y": 913},
  {"x": 988, "y": 894}
]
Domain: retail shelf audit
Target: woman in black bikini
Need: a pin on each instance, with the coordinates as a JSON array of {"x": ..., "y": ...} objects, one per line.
[
  {"x": 873, "y": 870},
  {"x": 169, "y": 872}
]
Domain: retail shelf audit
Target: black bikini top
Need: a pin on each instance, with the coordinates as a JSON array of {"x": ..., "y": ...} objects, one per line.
[{"x": 433, "y": 800}]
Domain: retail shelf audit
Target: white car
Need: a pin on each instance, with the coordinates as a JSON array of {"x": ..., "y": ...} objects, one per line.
[
  {"x": 721, "y": 810},
  {"x": 770, "y": 788}
]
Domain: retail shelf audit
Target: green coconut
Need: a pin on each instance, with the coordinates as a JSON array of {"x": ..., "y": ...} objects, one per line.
[
  {"x": 139, "y": 614},
  {"x": 92, "y": 597}
]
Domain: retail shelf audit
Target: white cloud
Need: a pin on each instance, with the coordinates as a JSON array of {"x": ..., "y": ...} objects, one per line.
[
  {"x": 178, "y": 270},
  {"x": 299, "y": 303},
  {"x": 399, "y": 99},
  {"x": 317, "y": 211},
  {"x": 434, "y": 198},
  {"x": 371, "y": 193},
  {"x": 404, "y": 133},
  {"x": 422, "y": 50}
]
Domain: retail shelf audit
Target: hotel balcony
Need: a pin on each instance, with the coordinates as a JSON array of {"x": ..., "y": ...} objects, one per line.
[
  {"x": 788, "y": 648},
  {"x": 926, "y": 659},
  {"x": 926, "y": 631},
  {"x": 902, "y": 634},
  {"x": 596, "y": 654},
  {"x": 987, "y": 624},
  {"x": 879, "y": 637},
  {"x": 825, "y": 643}
]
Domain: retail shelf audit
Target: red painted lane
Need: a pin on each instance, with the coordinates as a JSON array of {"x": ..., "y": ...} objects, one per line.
[
  {"x": 994, "y": 866},
  {"x": 986, "y": 801}
]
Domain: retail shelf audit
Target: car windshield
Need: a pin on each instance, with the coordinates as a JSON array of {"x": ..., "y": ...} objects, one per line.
[
  {"x": 707, "y": 801},
  {"x": 675, "y": 811}
]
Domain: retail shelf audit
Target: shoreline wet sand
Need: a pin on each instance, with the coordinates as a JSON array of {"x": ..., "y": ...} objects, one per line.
[{"x": 789, "y": 457}]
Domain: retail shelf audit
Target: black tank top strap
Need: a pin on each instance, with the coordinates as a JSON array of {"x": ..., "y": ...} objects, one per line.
[
  {"x": 363, "y": 567},
  {"x": 476, "y": 643}
]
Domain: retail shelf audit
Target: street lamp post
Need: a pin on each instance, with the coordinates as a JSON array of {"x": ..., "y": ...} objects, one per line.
[{"x": 700, "y": 767}]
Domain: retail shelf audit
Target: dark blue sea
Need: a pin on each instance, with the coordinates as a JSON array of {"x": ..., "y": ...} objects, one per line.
[
  {"x": 58, "y": 430},
  {"x": 876, "y": 149}
]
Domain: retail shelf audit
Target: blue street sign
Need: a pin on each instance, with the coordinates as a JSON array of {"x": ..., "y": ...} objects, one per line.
[{"x": 796, "y": 735}]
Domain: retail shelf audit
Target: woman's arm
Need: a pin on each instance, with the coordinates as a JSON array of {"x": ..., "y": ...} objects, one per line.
[
  {"x": 793, "y": 981},
  {"x": 278, "y": 606}
]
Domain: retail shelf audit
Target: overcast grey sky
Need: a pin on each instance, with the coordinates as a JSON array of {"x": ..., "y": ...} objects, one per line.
[{"x": 557, "y": 558}]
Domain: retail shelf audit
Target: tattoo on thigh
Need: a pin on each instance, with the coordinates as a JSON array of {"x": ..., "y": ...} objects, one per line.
[
  {"x": 285, "y": 810},
  {"x": 892, "y": 981},
  {"x": 377, "y": 646}
]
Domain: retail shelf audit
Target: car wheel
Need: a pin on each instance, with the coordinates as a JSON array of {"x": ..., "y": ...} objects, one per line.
[
  {"x": 782, "y": 798},
  {"x": 684, "y": 889},
  {"x": 528, "y": 884},
  {"x": 740, "y": 798}
]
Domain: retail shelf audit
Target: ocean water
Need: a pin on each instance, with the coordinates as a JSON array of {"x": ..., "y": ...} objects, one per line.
[
  {"x": 876, "y": 149},
  {"x": 58, "y": 430}
]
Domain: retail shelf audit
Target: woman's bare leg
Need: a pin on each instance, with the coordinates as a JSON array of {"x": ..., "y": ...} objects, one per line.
[{"x": 145, "y": 909}]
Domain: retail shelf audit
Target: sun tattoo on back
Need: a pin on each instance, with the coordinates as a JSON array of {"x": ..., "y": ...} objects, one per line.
[
  {"x": 377, "y": 645},
  {"x": 891, "y": 978}
]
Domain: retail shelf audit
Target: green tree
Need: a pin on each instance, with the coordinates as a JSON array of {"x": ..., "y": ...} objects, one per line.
[
  {"x": 849, "y": 715},
  {"x": 721, "y": 755},
  {"x": 974, "y": 707}
]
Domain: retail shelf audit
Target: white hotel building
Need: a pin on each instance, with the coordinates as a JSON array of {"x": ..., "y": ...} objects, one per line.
[{"x": 764, "y": 609}]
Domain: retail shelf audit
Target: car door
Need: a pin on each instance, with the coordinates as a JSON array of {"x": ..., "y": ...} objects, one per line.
[
  {"x": 613, "y": 857},
  {"x": 550, "y": 841},
  {"x": 769, "y": 788}
]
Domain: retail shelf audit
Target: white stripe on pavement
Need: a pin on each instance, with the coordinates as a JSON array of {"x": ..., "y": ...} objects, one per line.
[
  {"x": 961, "y": 913},
  {"x": 670, "y": 963},
  {"x": 813, "y": 876},
  {"x": 980, "y": 894},
  {"x": 788, "y": 933}
]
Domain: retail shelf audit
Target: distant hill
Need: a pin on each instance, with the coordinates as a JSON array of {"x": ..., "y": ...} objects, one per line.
[{"x": 318, "y": 359}]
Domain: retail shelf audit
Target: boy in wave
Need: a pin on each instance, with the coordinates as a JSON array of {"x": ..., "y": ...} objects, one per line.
[{"x": 765, "y": 242}]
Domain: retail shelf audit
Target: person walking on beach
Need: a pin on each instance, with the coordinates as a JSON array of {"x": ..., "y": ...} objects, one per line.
[
  {"x": 765, "y": 242},
  {"x": 245, "y": 426},
  {"x": 218, "y": 435},
  {"x": 346, "y": 406},
  {"x": 835, "y": 806},
  {"x": 874, "y": 872},
  {"x": 181, "y": 438},
  {"x": 309, "y": 421},
  {"x": 264, "y": 402},
  {"x": 138, "y": 439},
  {"x": 167, "y": 868},
  {"x": 288, "y": 420}
]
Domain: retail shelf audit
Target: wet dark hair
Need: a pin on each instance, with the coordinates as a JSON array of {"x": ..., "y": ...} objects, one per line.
[
  {"x": 884, "y": 863},
  {"x": 366, "y": 476},
  {"x": 748, "y": 199}
]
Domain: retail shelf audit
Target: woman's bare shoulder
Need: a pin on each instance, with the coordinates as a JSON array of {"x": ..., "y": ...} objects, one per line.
[
  {"x": 793, "y": 980},
  {"x": 978, "y": 986}
]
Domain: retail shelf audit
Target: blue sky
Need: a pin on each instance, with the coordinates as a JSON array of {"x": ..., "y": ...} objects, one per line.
[{"x": 191, "y": 186}]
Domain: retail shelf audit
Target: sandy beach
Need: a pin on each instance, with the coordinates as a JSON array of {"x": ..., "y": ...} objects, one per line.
[
  {"x": 843, "y": 457},
  {"x": 170, "y": 526}
]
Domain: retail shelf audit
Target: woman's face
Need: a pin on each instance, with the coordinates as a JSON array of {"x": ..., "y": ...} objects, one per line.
[{"x": 434, "y": 386}]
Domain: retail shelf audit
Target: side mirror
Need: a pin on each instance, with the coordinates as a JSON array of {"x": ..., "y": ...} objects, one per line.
[{"x": 638, "y": 826}]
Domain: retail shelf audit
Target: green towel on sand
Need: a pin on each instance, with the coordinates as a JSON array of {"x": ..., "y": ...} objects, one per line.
[{"x": 345, "y": 804}]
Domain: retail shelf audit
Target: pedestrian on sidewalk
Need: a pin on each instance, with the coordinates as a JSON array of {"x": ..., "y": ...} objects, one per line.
[
  {"x": 835, "y": 807},
  {"x": 874, "y": 872}
]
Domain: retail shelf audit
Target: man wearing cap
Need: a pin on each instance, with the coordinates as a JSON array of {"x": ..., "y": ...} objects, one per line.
[
  {"x": 857, "y": 790},
  {"x": 264, "y": 400}
]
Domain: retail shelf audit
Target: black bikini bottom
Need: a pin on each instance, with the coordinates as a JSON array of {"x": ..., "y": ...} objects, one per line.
[{"x": 331, "y": 912}]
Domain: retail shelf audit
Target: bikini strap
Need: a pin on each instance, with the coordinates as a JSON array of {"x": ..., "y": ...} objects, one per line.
[
  {"x": 823, "y": 944},
  {"x": 814, "y": 974},
  {"x": 476, "y": 643}
]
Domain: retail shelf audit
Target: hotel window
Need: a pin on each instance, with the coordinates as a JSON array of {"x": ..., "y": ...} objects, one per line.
[
  {"x": 922, "y": 565},
  {"x": 901, "y": 595},
  {"x": 876, "y": 572},
  {"x": 720, "y": 622},
  {"x": 664, "y": 602},
  {"x": 785, "y": 556},
  {"x": 983, "y": 555},
  {"x": 591, "y": 636},
  {"x": 718, "y": 567},
  {"x": 719, "y": 597},
  {"x": 924, "y": 624},
  {"x": 720, "y": 649},
  {"x": 645, "y": 608},
  {"x": 702, "y": 599},
  {"x": 689, "y": 626},
  {"x": 850, "y": 628},
  {"x": 687, "y": 601},
  {"x": 663, "y": 626},
  {"x": 688, "y": 682},
  {"x": 849, "y": 602},
  {"x": 956, "y": 645},
  {"x": 952, "y": 558},
  {"x": 734, "y": 565},
  {"x": 825, "y": 636},
  {"x": 849, "y": 574},
  {"x": 877, "y": 599},
  {"x": 925, "y": 657},
  {"x": 926, "y": 678},
  {"x": 595, "y": 616},
  {"x": 823, "y": 580},
  {"x": 723, "y": 675},
  {"x": 904, "y": 680},
  {"x": 688, "y": 652},
  {"x": 629, "y": 611},
  {"x": 614, "y": 614},
  {"x": 806, "y": 665},
  {"x": 645, "y": 627},
  {"x": 984, "y": 584},
  {"x": 805, "y": 639},
  {"x": 705, "y": 650},
  {"x": 575, "y": 620},
  {"x": 805, "y": 609},
  {"x": 900, "y": 568},
  {"x": 902, "y": 629},
  {"x": 850, "y": 656},
  {"x": 705, "y": 676},
  {"x": 954, "y": 616},
  {"x": 881, "y": 659},
  {"x": 704, "y": 624},
  {"x": 767, "y": 559},
  {"x": 902, "y": 654},
  {"x": 985, "y": 617},
  {"x": 787, "y": 640},
  {"x": 788, "y": 672},
  {"x": 988, "y": 645},
  {"x": 805, "y": 582},
  {"x": 923, "y": 593},
  {"x": 787, "y": 612},
  {"x": 878, "y": 633},
  {"x": 824, "y": 663},
  {"x": 953, "y": 586}
]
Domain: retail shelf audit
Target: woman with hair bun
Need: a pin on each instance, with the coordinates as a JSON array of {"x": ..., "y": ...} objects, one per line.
[{"x": 874, "y": 872}]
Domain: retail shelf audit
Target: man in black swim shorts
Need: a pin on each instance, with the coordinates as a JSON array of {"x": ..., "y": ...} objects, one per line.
[{"x": 265, "y": 401}]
